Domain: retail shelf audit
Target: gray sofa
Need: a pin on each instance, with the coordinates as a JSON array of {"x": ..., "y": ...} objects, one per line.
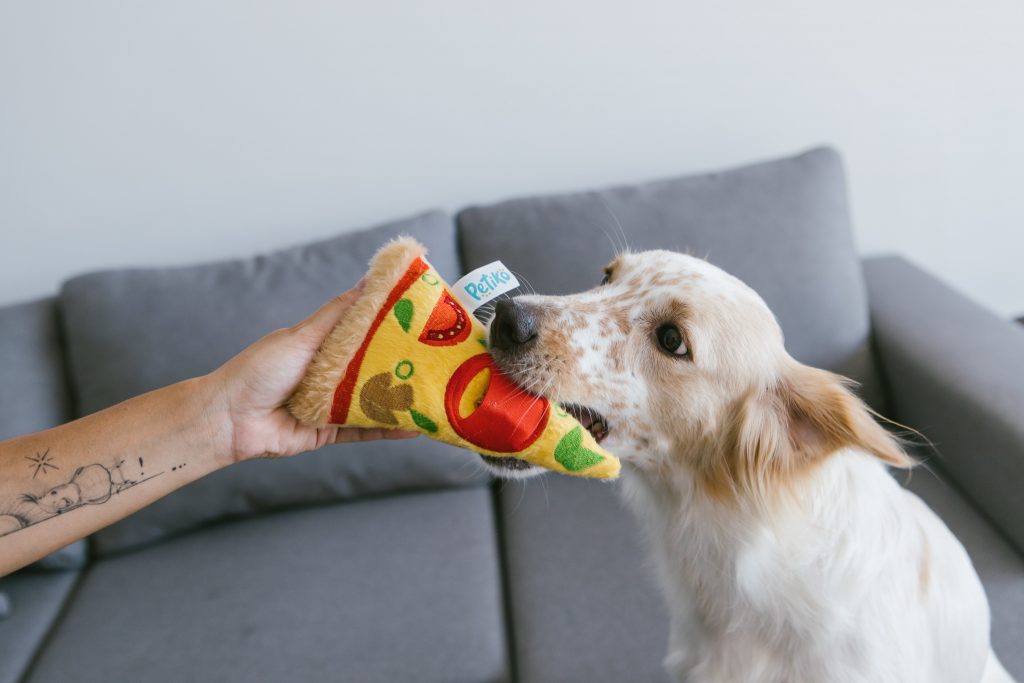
[{"x": 403, "y": 561}]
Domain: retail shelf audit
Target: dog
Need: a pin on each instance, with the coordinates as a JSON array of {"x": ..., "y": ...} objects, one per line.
[{"x": 786, "y": 551}]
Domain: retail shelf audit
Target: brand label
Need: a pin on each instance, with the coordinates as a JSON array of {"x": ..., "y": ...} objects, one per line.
[{"x": 484, "y": 284}]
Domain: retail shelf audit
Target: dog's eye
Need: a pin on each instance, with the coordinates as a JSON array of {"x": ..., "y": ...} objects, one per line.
[
  {"x": 670, "y": 339},
  {"x": 607, "y": 276}
]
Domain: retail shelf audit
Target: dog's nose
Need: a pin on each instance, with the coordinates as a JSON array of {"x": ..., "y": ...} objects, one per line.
[{"x": 514, "y": 325}]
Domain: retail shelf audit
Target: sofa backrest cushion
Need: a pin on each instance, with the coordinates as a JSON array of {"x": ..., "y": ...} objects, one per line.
[
  {"x": 130, "y": 331},
  {"x": 34, "y": 395},
  {"x": 781, "y": 226}
]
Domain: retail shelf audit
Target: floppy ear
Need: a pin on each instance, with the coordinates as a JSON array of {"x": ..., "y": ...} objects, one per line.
[{"x": 805, "y": 417}]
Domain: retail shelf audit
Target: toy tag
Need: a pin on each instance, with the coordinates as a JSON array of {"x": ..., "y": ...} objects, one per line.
[{"x": 485, "y": 283}]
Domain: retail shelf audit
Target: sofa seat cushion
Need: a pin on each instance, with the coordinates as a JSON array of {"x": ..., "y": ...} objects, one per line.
[
  {"x": 582, "y": 594},
  {"x": 34, "y": 601},
  {"x": 130, "y": 331},
  {"x": 402, "y": 588},
  {"x": 782, "y": 226},
  {"x": 1000, "y": 567}
]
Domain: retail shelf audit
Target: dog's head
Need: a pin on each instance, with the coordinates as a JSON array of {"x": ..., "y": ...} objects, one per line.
[{"x": 676, "y": 365}]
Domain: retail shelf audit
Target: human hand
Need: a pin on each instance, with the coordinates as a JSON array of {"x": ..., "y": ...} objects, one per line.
[{"x": 251, "y": 390}]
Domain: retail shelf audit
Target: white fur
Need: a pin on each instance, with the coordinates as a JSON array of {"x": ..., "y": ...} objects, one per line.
[
  {"x": 845, "y": 577},
  {"x": 827, "y": 589}
]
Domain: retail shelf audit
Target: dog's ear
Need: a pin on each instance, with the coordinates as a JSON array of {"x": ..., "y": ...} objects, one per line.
[
  {"x": 807, "y": 415},
  {"x": 825, "y": 416}
]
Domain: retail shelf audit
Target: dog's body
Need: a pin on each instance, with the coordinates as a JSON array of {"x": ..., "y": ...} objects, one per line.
[
  {"x": 785, "y": 550},
  {"x": 860, "y": 581}
]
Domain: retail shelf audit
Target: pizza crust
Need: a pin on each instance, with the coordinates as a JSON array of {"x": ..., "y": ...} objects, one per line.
[{"x": 311, "y": 403}]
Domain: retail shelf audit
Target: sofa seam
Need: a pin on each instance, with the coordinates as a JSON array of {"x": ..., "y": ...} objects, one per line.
[{"x": 505, "y": 583}]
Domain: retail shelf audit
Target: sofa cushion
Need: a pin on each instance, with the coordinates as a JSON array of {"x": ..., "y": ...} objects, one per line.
[
  {"x": 34, "y": 603},
  {"x": 401, "y": 588},
  {"x": 582, "y": 594},
  {"x": 34, "y": 393},
  {"x": 781, "y": 226},
  {"x": 1001, "y": 569},
  {"x": 130, "y": 331}
]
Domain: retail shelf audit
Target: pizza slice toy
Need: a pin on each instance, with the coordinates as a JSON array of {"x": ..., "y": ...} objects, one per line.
[{"x": 409, "y": 356}]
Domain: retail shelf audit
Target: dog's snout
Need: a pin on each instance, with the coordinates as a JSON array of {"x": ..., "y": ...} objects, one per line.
[{"x": 514, "y": 325}]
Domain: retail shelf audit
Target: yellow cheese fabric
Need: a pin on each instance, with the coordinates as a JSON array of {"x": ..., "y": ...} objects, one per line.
[{"x": 424, "y": 366}]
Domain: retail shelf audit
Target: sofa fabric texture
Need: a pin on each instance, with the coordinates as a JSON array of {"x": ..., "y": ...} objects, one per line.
[
  {"x": 399, "y": 588},
  {"x": 782, "y": 226},
  {"x": 130, "y": 331},
  {"x": 35, "y": 603},
  {"x": 584, "y": 604},
  {"x": 955, "y": 372},
  {"x": 34, "y": 394}
]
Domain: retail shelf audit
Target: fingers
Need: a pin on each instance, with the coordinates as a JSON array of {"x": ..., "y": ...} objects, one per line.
[
  {"x": 399, "y": 434},
  {"x": 355, "y": 434},
  {"x": 323, "y": 320},
  {"x": 306, "y": 438}
]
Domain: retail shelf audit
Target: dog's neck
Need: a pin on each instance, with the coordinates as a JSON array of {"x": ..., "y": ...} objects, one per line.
[{"x": 725, "y": 557}]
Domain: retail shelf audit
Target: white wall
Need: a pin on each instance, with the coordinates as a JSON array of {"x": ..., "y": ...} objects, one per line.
[{"x": 166, "y": 132}]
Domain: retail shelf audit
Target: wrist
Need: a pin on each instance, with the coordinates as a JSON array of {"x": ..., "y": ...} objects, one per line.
[{"x": 214, "y": 429}]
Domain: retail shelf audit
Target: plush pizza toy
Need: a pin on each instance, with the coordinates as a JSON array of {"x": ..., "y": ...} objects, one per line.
[{"x": 409, "y": 356}]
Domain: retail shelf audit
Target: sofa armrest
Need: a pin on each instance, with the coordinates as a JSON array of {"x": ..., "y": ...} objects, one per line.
[{"x": 954, "y": 371}]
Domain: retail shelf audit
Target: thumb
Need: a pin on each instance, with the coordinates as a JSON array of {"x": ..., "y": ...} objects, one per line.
[{"x": 323, "y": 320}]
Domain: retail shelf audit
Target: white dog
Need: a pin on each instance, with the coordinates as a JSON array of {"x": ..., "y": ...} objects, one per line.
[{"x": 785, "y": 550}]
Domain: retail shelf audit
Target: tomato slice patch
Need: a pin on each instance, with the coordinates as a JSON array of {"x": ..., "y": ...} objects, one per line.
[{"x": 448, "y": 323}]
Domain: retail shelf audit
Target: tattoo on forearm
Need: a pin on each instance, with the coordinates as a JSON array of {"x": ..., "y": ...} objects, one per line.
[
  {"x": 41, "y": 462},
  {"x": 88, "y": 485}
]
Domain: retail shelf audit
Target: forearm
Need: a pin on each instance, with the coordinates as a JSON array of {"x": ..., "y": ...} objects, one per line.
[{"x": 62, "y": 484}]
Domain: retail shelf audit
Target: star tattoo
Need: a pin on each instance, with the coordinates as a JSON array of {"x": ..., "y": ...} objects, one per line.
[{"x": 41, "y": 462}]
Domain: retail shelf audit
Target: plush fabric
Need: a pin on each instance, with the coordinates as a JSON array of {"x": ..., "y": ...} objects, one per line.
[
  {"x": 35, "y": 601},
  {"x": 409, "y": 356},
  {"x": 782, "y": 226},
  {"x": 34, "y": 393},
  {"x": 584, "y": 604},
  {"x": 955, "y": 372},
  {"x": 130, "y": 331},
  {"x": 399, "y": 588}
]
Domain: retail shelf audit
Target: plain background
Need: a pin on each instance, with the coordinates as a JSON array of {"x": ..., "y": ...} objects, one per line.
[{"x": 137, "y": 133}]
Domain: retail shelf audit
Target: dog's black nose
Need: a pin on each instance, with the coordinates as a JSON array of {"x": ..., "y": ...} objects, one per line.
[{"x": 514, "y": 325}]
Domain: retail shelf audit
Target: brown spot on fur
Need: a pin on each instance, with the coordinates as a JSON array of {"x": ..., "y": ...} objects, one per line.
[
  {"x": 622, "y": 322},
  {"x": 616, "y": 407},
  {"x": 634, "y": 283},
  {"x": 924, "y": 569},
  {"x": 572, "y": 322},
  {"x": 617, "y": 355}
]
